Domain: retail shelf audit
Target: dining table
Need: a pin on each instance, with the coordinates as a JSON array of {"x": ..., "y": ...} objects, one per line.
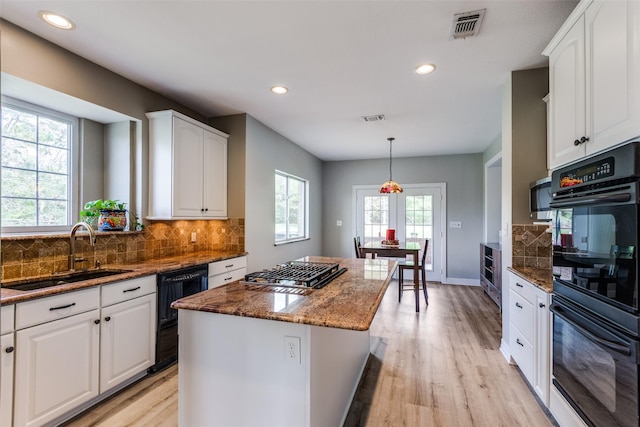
[{"x": 401, "y": 250}]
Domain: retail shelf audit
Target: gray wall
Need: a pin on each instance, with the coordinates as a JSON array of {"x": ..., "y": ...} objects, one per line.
[
  {"x": 118, "y": 167},
  {"x": 267, "y": 151},
  {"x": 463, "y": 175},
  {"x": 236, "y": 127},
  {"x": 92, "y": 185},
  {"x": 528, "y": 137}
]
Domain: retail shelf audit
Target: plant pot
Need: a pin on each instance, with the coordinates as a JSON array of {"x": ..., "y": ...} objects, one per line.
[{"x": 112, "y": 220}]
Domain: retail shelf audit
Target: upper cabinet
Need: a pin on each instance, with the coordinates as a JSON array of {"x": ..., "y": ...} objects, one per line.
[
  {"x": 187, "y": 168},
  {"x": 594, "y": 80}
]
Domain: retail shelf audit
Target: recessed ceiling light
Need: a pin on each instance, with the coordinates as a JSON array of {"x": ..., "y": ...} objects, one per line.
[
  {"x": 424, "y": 69},
  {"x": 57, "y": 20},
  {"x": 279, "y": 90}
]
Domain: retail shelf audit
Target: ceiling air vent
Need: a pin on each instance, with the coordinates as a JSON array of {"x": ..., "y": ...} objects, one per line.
[
  {"x": 374, "y": 118},
  {"x": 467, "y": 24}
]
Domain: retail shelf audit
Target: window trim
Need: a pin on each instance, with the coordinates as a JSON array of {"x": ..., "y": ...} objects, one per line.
[
  {"x": 74, "y": 166},
  {"x": 304, "y": 181}
]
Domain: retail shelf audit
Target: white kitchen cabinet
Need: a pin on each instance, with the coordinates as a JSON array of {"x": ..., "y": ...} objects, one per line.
[
  {"x": 7, "y": 361},
  {"x": 73, "y": 347},
  {"x": 187, "y": 168},
  {"x": 56, "y": 367},
  {"x": 530, "y": 333},
  {"x": 227, "y": 271},
  {"x": 542, "y": 368},
  {"x": 594, "y": 80},
  {"x": 127, "y": 330}
]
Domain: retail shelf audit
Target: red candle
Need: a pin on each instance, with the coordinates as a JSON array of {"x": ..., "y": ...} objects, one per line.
[{"x": 391, "y": 234}]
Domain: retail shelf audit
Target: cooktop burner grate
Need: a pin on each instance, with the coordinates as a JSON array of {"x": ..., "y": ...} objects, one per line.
[{"x": 303, "y": 274}]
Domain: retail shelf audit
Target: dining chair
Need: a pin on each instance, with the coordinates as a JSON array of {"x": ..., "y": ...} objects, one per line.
[
  {"x": 356, "y": 244},
  {"x": 408, "y": 265}
]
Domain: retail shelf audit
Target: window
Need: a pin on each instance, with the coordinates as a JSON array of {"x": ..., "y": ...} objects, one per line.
[
  {"x": 376, "y": 217},
  {"x": 36, "y": 169},
  {"x": 291, "y": 208}
]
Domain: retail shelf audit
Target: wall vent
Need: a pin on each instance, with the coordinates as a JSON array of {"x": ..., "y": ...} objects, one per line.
[
  {"x": 374, "y": 118},
  {"x": 467, "y": 24}
]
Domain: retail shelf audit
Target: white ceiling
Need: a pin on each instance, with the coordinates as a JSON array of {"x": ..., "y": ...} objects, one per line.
[{"x": 340, "y": 59}]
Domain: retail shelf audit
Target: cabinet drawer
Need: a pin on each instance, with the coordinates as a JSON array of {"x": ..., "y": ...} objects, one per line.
[
  {"x": 521, "y": 314},
  {"x": 56, "y": 307},
  {"x": 6, "y": 318},
  {"x": 522, "y": 352},
  {"x": 224, "y": 278},
  {"x": 227, "y": 265},
  {"x": 522, "y": 287},
  {"x": 123, "y": 291}
]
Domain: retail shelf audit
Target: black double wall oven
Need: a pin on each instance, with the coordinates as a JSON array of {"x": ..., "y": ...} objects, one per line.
[{"x": 596, "y": 318}]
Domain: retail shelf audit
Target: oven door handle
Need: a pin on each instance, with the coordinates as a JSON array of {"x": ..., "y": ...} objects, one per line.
[
  {"x": 593, "y": 200},
  {"x": 615, "y": 346}
]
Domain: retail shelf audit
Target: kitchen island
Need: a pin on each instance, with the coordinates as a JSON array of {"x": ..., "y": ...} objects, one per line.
[{"x": 252, "y": 355}]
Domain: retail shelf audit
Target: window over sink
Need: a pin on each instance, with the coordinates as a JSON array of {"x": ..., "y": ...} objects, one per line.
[{"x": 38, "y": 147}]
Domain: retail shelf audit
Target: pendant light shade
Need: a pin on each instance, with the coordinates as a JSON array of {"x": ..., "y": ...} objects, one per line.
[{"x": 390, "y": 186}]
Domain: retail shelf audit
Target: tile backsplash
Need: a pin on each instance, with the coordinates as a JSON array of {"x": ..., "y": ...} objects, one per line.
[
  {"x": 531, "y": 246},
  {"x": 41, "y": 255}
]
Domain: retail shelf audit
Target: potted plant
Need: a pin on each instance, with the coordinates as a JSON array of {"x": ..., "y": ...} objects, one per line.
[{"x": 105, "y": 215}]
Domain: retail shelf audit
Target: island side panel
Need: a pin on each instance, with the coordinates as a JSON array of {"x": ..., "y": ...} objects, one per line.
[
  {"x": 233, "y": 372},
  {"x": 338, "y": 359}
]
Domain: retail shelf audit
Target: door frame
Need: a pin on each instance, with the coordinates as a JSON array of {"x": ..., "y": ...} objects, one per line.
[
  {"x": 442, "y": 186},
  {"x": 494, "y": 162}
]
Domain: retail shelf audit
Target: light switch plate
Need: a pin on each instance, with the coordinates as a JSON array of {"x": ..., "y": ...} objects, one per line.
[{"x": 455, "y": 224}]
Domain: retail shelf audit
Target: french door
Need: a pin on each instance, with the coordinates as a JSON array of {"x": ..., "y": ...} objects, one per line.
[{"x": 416, "y": 215}]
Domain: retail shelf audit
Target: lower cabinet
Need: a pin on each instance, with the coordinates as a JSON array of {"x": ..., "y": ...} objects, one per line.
[
  {"x": 7, "y": 349},
  {"x": 56, "y": 368},
  {"x": 227, "y": 271},
  {"x": 530, "y": 333},
  {"x": 72, "y": 347},
  {"x": 7, "y": 362},
  {"x": 127, "y": 340}
]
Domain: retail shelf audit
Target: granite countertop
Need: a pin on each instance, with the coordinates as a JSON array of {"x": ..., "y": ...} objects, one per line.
[
  {"x": 348, "y": 302},
  {"x": 540, "y": 277},
  {"x": 145, "y": 268}
]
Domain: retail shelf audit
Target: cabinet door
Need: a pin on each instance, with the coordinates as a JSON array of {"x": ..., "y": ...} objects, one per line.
[
  {"x": 187, "y": 169},
  {"x": 567, "y": 93},
  {"x": 542, "y": 374},
  {"x": 6, "y": 378},
  {"x": 215, "y": 175},
  {"x": 612, "y": 55},
  {"x": 127, "y": 340},
  {"x": 56, "y": 368}
]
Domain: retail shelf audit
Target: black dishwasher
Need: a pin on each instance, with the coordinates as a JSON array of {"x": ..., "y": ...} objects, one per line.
[{"x": 173, "y": 286}]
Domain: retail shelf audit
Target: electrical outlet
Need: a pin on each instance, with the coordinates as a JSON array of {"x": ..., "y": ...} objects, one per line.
[
  {"x": 292, "y": 350},
  {"x": 193, "y": 237}
]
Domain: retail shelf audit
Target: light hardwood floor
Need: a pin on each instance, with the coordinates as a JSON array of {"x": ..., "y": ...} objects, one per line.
[{"x": 441, "y": 367}]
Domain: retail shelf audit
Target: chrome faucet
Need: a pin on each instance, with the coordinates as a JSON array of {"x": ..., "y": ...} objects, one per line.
[{"x": 72, "y": 241}]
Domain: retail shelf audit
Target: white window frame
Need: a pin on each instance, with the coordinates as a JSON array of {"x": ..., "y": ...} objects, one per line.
[
  {"x": 305, "y": 203},
  {"x": 74, "y": 169}
]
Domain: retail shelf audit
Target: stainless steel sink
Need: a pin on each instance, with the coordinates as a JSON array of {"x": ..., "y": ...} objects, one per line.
[{"x": 61, "y": 279}]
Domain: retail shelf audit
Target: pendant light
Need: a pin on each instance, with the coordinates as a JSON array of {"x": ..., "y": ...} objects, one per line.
[{"x": 390, "y": 186}]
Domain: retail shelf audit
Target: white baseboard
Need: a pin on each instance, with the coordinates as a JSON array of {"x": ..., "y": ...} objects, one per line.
[{"x": 504, "y": 349}]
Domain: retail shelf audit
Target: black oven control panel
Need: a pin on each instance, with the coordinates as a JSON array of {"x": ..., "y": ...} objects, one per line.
[{"x": 589, "y": 173}]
